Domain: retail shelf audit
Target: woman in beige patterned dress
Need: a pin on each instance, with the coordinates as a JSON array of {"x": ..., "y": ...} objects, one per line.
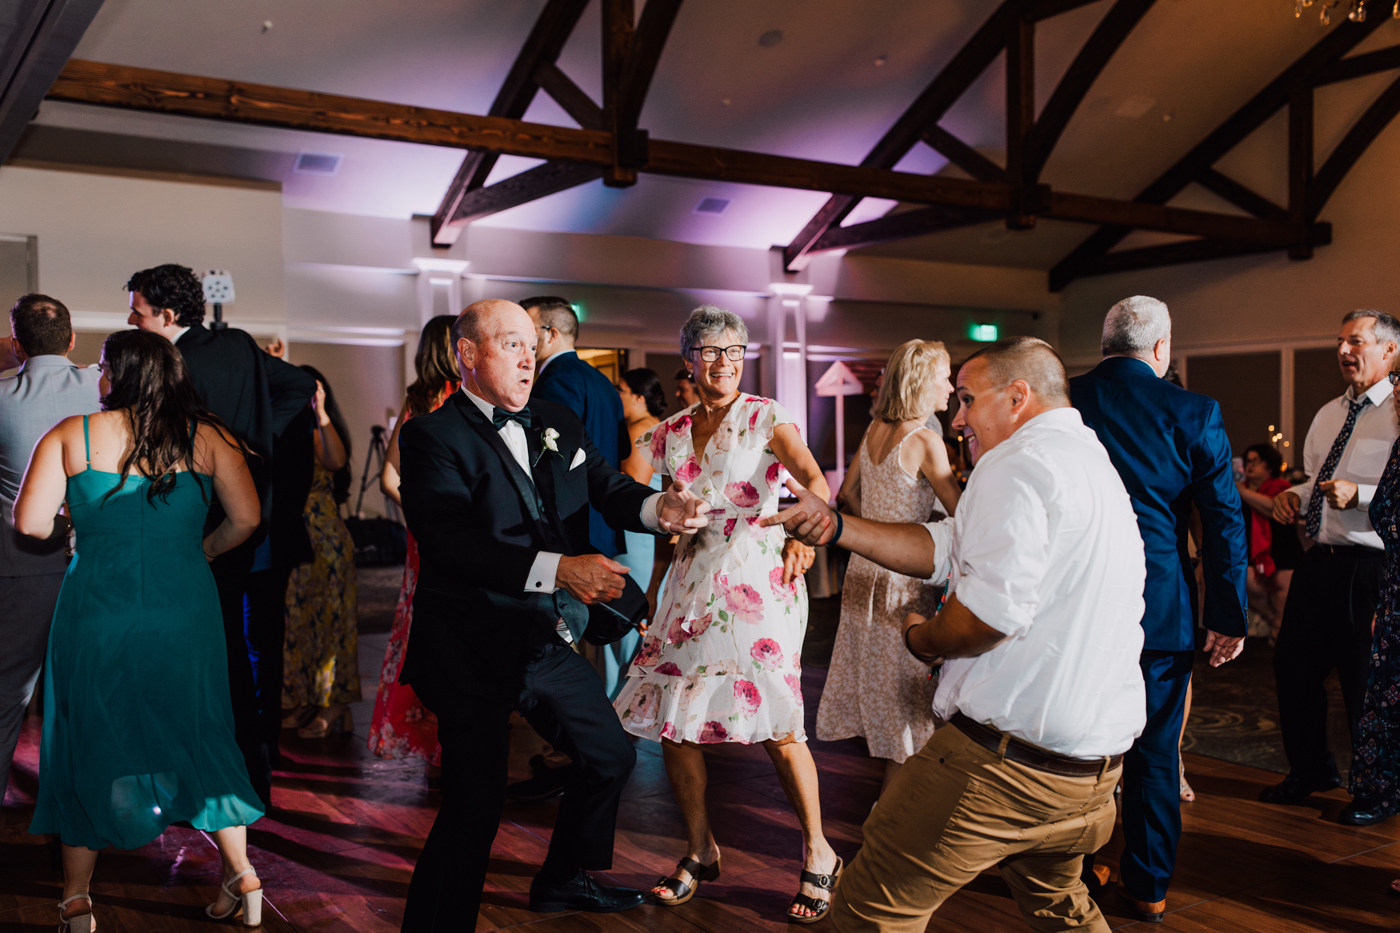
[{"x": 875, "y": 688}]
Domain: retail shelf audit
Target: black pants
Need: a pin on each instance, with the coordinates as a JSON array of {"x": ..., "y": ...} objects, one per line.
[
  {"x": 254, "y": 607},
  {"x": 563, "y": 701},
  {"x": 1326, "y": 626}
]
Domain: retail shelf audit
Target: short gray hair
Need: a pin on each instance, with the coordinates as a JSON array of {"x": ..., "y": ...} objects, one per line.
[
  {"x": 707, "y": 322},
  {"x": 1134, "y": 325},
  {"x": 1383, "y": 325}
]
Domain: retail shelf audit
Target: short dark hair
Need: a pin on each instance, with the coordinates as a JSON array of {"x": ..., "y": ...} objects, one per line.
[
  {"x": 555, "y": 312},
  {"x": 684, "y": 374},
  {"x": 42, "y": 325},
  {"x": 647, "y": 384},
  {"x": 1270, "y": 455},
  {"x": 1028, "y": 358},
  {"x": 174, "y": 287}
]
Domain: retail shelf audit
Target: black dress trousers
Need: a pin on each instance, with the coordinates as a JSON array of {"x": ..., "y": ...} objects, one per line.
[
  {"x": 563, "y": 700},
  {"x": 1326, "y": 627}
]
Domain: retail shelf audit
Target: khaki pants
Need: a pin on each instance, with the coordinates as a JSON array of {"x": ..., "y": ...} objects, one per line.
[{"x": 956, "y": 809}]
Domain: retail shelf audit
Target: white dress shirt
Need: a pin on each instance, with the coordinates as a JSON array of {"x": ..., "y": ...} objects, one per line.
[
  {"x": 1363, "y": 461},
  {"x": 1045, "y": 549},
  {"x": 545, "y": 569}
]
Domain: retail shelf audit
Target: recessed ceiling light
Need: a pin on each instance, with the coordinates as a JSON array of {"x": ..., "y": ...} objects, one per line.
[
  {"x": 880, "y": 60},
  {"x": 317, "y": 163},
  {"x": 770, "y": 38},
  {"x": 1134, "y": 107},
  {"x": 711, "y": 206}
]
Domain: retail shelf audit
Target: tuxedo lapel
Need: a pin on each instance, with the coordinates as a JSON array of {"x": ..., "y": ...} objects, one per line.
[{"x": 523, "y": 484}]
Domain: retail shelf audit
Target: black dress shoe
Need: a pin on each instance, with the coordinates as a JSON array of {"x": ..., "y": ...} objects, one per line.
[
  {"x": 1363, "y": 812},
  {"x": 582, "y": 893},
  {"x": 545, "y": 784},
  {"x": 1294, "y": 789}
]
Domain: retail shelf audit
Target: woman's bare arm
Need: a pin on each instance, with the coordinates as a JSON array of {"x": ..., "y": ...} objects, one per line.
[
  {"x": 389, "y": 476},
  {"x": 330, "y": 446},
  {"x": 45, "y": 484},
  {"x": 848, "y": 497},
  {"x": 233, "y": 484},
  {"x": 637, "y": 465},
  {"x": 787, "y": 446},
  {"x": 1257, "y": 501},
  {"x": 933, "y": 464}
]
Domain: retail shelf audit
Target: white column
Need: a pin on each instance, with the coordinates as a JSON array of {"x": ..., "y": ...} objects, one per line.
[{"x": 791, "y": 356}]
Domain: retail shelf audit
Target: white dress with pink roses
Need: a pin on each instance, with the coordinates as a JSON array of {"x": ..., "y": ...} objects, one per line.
[{"x": 721, "y": 662}]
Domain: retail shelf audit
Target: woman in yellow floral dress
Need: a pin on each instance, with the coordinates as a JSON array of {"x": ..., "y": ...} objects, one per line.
[{"x": 321, "y": 653}]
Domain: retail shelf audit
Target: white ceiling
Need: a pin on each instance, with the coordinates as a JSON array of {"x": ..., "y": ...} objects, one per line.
[{"x": 841, "y": 75}]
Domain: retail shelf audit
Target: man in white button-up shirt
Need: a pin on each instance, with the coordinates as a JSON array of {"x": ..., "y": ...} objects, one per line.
[
  {"x": 1327, "y": 619},
  {"x": 1041, "y": 686}
]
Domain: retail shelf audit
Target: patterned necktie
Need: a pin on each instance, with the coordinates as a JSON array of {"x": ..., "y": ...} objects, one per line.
[{"x": 1334, "y": 456}]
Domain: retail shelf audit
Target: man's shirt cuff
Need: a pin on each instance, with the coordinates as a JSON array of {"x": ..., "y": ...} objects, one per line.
[
  {"x": 942, "y": 535},
  {"x": 649, "y": 509},
  {"x": 544, "y": 573}
]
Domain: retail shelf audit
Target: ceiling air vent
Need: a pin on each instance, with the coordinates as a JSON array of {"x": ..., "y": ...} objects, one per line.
[
  {"x": 711, "y": 206},
  {"x": 317, "y": 163}
]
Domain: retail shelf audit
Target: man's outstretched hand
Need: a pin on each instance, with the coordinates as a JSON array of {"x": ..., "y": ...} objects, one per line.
[
  {"x": 810, "y": 521},
  {"x": 1221, "y": 648},
  {"x": 590, "y": 578},
  {"x": 681, "y": 511}
]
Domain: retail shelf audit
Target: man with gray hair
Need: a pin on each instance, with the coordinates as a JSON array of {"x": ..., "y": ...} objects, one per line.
[
  {"x": 1333, "y": 596},
  {"x": 1041, "y": 688},
  {"x": 47, "y": 389},
  {"x": 1170, "y": 448}
]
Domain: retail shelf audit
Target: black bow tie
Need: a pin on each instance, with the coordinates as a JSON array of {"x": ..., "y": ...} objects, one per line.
[{"x": 499, "y": 417}]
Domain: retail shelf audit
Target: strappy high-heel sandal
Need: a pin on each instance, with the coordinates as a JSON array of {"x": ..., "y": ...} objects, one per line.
[
  {"x": 680, "y": 891},
  {"x": 82, "y": 923},
  {"x": 249, "y": 905},
  {"x": 818, "y": 907}
]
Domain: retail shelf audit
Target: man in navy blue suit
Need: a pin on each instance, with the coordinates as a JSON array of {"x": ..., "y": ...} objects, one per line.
[
  {"x": 1170, "y": 448},
  {"x": 564, "y": 378}
]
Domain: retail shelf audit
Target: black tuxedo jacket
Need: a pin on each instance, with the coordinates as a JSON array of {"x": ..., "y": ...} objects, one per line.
[
  {"x": 257, "y": 396},
  {"x": 480, "y": 521}
]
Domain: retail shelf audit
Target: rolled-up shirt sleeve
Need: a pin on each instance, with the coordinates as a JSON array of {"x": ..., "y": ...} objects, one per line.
[
  {"x": 1003, "y": 553},
  {"x": 942, "y": 535}
]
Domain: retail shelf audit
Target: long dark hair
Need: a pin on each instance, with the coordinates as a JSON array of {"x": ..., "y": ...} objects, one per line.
[
  {"x": 435, "y": 362},
  {"x": 647, "y": 384},
  {"x": 150, "y": 383},
  {"x": 340, "y": 483}
]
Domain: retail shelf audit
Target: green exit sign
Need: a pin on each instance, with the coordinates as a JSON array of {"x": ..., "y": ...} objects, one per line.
[{"x": 982, "y": 333}]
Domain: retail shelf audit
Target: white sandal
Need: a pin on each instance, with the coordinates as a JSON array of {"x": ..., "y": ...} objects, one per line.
[
  {"x": 82, "y": 923},
  {"x": 249, "y": 904}
]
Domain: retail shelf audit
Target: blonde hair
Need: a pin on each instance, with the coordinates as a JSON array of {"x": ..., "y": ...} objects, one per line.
[{"x": 907, "y": 390}]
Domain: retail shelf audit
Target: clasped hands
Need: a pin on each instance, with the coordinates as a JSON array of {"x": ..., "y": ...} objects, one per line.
[
  {"x": 593, "y": 578},
  {"x": 1340, "y": 494}
]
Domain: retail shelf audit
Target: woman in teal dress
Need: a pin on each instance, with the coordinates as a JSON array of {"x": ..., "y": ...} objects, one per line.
[
  {"x": 643, "y": 404},
  {"x": 138, "y": 727}
]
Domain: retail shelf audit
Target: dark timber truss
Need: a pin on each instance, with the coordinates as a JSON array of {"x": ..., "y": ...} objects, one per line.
[{"x": 609, "y": 144}]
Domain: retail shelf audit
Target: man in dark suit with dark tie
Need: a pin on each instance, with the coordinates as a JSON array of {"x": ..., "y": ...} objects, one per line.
[
  {"x": 265, "y": 402},
  {"x": 579, "y": 387},
  {"x": 1170, "y": 448},
  {"x": 496, "y": 494}
]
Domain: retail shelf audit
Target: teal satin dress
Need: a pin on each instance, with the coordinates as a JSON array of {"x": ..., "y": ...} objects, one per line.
[
  {"x": 641, "y": 550},
  {"x": 138, "y": 727}
]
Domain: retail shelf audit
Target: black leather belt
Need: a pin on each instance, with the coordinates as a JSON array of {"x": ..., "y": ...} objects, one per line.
[{"x": 1027, "y": 754}]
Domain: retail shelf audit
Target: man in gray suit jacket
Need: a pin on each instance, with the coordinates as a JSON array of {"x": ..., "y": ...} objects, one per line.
[{"x": 47, "y": 389}]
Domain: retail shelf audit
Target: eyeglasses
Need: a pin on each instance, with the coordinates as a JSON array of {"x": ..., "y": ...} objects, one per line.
[
  {"x": 1394, "y": 377},
  {"x": 711, "y": 354}
]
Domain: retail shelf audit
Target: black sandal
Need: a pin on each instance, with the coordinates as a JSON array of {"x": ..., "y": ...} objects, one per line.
[
  {"x": 680, "y": 891},
  {"x": 826, "y": 883}
]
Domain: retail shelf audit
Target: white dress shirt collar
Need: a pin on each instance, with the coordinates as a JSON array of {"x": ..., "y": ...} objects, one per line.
[
  {"x": 178, "y": 334},
  {"x": 1377, "y": 393},
  {"x": 550, "y": 359}
]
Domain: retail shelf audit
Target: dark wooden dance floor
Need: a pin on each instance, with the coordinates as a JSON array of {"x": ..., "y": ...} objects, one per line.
[{"x": 338, "y": 848}]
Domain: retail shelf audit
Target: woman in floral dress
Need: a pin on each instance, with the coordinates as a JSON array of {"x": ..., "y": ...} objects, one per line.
[
  {"x": 721, "y": 662},
  {"x": 875, "y": 688},
  {"x": 401, "y": 727},
  {"x": 1375, "y": 755}
]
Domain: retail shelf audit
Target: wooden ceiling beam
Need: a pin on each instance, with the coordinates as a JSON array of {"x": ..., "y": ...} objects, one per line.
[
  {"x": 1020, "y": 119},
  {"x": 1240, "y": 196},
  {"x": 1376, "y": 118},
  {"x": 902, "y": 226},
  {"x": 39, "y": 37},
  {"x": 1105, "y": 41},
  {"x": 1358, "y": 66},
  {"x": 529, "y": 185},
  {"x": 1186, "y": 251},
  {"x": 546, "y": 40},
  {"x": 575, "y": 101},
  {"x": 653, "y": 29},
  {"x": 962, "y": 155},
  {"x": 1326, "y": 52}
]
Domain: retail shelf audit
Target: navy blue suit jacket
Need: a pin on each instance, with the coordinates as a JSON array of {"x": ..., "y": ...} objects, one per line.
[
  {"x": 1170, "y": 448},
  {"x": 587, "y": 393}
]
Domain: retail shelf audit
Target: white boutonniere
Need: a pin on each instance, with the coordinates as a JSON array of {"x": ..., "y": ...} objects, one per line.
[{"x": 548, "y": 441}]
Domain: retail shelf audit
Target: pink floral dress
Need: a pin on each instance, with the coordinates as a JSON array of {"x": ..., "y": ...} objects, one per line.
[{"x": 722, "y": 660}]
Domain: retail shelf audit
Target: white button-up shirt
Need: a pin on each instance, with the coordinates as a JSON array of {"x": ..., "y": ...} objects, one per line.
[
  {"x": 545, "y": 569},
  {"x": 1363, "y": 461},
  {"x": 1045, "y": 549}
]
